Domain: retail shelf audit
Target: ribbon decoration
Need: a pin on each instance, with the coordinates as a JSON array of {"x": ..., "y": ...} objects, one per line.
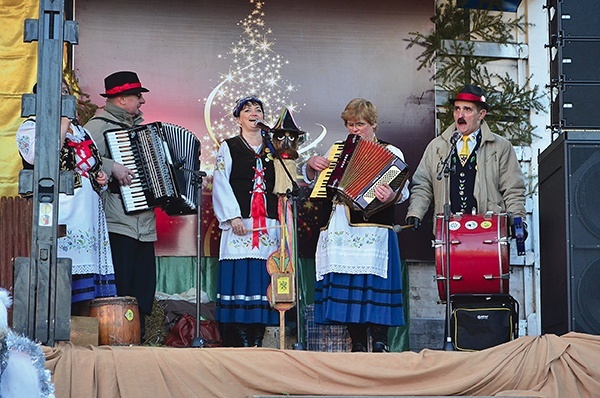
[
  {"x": 258, "y": 209},
  {"x": 83, "y": 153}
]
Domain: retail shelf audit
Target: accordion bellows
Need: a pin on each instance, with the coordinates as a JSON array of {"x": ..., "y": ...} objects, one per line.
[{"x": 356, "y": 168}]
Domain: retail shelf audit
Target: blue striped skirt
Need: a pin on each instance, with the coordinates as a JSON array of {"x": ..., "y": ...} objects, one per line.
[
  {"x": 363, "y": 298},
  {"x": 242, "y": 293},
  {"x": 91, "y": 286}
]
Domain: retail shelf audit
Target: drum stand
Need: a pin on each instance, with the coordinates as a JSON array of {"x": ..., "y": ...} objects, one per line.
[
  {"x": 292, "y": 195},
  {"x": 198, "y": 341},
  {"x": 447, "y": 169}
]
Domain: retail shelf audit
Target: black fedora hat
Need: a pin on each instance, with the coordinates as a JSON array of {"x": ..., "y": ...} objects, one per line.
[
  {"x": 286, "y": 123},
  {"x": 471, "y": 93},
  {"x": 122, "y": 83}
]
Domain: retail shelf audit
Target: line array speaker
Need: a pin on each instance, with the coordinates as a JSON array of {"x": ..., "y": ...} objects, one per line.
[
  {"x": 574, "y": 51},
  {"x": 576, "y": 61},
  {"x": 575, "y": 106},
  {"x": 573, "y": 19}
]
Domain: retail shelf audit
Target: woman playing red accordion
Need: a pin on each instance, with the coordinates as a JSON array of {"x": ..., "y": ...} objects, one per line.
[{"x": 359, "y": 275}]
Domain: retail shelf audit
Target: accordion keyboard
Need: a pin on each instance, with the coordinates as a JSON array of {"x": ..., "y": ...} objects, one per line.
[
  {"x": 320, "y": 189},
  {"x": 166, "y": 161},
  {"x": 133, "y": 195}
]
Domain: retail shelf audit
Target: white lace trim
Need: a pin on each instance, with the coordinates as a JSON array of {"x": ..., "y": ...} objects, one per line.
[
  {"x": 342, "y": 248},
  {"x": 234, "y": 247}
]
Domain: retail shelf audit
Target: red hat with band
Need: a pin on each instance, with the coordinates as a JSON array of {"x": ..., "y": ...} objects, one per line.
[
  {"x": 471, "y": 93},
  {"x": 122, "y": 83}
]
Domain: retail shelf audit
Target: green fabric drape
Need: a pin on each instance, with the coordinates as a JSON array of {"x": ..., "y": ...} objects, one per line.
[{"x": 178, "y": 274}]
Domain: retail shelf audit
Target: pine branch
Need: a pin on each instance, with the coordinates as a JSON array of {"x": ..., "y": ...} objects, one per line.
[{"x": 450, "y": 48}]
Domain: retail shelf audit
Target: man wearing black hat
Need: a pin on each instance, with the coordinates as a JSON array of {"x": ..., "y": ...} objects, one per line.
[
  {"x": 487, "y": 174},
  {"x": 132, "y": 236}
]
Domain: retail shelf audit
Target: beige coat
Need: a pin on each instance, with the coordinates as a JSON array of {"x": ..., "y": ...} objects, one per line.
[{"x": 499, "y": 182}]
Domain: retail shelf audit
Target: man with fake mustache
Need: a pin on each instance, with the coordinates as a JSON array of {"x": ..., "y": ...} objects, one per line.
[{"x": 485, "y": 173}]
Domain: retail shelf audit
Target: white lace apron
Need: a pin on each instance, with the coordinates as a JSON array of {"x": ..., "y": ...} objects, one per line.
[{"x": 347, "y": 249}]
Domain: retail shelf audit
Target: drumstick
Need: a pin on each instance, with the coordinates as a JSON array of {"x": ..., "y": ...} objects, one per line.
[
  {"x": 400, "y": 228},
  {"x": 263, "y": 228}
]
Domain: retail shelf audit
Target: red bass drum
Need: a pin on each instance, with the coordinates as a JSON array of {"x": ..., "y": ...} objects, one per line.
[{"x": 479, "y": 254}]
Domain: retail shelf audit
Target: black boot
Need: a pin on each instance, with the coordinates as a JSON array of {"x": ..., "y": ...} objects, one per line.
[
  {"x": 228, "y": 334},
  {"x": 379, "y": 333},
  {"x": 358, "y": 335},
  {"x": 242, "y": 335},
  {"x": 257, "y": 332}
]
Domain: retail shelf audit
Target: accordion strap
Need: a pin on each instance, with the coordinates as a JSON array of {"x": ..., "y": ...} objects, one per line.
[{"x": 117, "y": 123}]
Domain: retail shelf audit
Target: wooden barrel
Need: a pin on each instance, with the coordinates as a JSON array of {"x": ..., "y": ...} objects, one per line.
[{"x": 118, "y": 320}]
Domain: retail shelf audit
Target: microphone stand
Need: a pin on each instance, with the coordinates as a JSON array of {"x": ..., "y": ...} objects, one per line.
[
  {"x": 198, "y": 341},
  {"x": 445, "y": 173},
  {"x": 292, "y": 195}
]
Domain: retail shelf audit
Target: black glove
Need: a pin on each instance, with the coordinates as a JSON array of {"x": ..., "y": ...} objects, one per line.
[
  {"x": 519, "y": 232},
  {"x": 519, "y": 227},
  {"x": 415, "y": 222}
]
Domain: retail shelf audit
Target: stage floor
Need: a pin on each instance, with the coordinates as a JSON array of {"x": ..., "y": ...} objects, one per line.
[{"x": 540, "y": 366}]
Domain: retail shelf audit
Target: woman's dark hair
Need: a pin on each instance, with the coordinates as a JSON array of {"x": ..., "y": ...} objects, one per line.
[{"x": 239, "y": 105}]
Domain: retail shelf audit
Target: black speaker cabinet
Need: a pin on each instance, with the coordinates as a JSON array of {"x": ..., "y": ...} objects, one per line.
[
  {"x": 576, "y": 61},
  {"x": 569, "y": 210},
  {"x": 574, "y": 18},
  {"x": 575, "y": 107}
]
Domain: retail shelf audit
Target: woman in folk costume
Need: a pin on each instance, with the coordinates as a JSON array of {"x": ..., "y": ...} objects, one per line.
[
  {"x": 359, "y": 276},
  {"x": 246, "y": 209},
  {"x": 86, "y": 242}
]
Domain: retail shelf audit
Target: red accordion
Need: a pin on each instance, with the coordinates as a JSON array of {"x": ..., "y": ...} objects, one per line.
[{"x": 356, "y": 168}]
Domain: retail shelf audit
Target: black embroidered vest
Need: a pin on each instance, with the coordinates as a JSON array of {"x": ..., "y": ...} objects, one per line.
[
  {"x": 462, "y": 182},
  {"x": 242, "y": 176}
]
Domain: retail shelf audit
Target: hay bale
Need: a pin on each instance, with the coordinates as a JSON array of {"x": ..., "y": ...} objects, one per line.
[{"x": 156, "y": 332}]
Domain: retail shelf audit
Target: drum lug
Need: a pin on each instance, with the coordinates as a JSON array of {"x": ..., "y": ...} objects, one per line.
[
  {"x": 489, "y": 277},
  {"x": 443, "y": 278},
  {"x": 436, "y": 243},
  {"x": 501, "y": 241}
]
